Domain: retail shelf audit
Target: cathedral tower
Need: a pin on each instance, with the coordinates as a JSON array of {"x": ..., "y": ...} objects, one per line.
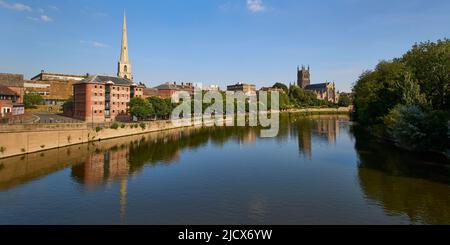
[
  {"x": 124, "y": 67},
  {"x": 303, "y": 77}
]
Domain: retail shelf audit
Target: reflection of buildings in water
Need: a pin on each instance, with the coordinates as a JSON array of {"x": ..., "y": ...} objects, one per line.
[
  {"x": 328, "y": 129},
  {"x": 99, "y": 168},
  {"x": 123, "y": 197},
  {"x": 323, "y": 128},
  {"x": 304, "y": 143},
  {"x": 249, "y": 137}
]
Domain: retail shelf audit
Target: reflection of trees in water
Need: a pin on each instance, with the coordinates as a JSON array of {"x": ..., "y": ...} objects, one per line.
[
  {"x": 403, "y": 183},
  {"x": 105, "y": 165}
]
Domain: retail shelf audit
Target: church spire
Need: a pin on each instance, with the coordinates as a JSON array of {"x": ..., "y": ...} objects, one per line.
[{"x": 124, "y": 69}]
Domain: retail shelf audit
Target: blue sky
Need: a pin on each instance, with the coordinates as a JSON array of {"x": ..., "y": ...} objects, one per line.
[{"x": 216, "y": 41}]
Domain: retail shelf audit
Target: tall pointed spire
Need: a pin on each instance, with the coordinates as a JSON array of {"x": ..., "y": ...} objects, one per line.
[
  {"x": 124, "y": 51},
  {"x": 124, "y": 69}
]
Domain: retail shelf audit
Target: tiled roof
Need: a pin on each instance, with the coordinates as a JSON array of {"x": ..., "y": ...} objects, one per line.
[
  {"x": 150, "y": 91},
  {"x": 104, "y": 79},
  {"x": 6, "y": 91},
  {"x": 11, "y": 80},
  {"x": 319, "y": 86},
  {"x": 167, "y": 86}
]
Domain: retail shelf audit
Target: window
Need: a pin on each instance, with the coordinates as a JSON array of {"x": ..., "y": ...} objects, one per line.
[
  {"x": 95, "y": 94},
  {"x": 125, "y": 68}
]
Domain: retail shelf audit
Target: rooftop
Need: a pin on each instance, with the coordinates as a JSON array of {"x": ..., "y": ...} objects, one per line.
[
  {"x": 11, "y": 80},
  {"x": 105, "y": 79},
  {"x": 6, "y": 91},
  {"x": 318, "y": 86},
  {"x": 167, "y": 86}
]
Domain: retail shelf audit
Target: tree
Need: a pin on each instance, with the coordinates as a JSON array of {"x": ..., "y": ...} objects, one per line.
[
  {"x": 407, "y": 99},
  {"x": 281, "y": 86},
  {"x": 430, "y": 66},
  {"x": 302, "y": 98},
  {"x": 32, "y": 99},
  {"x": 162, "y": 107},
  {"x": 141, "y": 108},
  {"x": 344, "y": 101},
  {"x": 377, "y": 92}
]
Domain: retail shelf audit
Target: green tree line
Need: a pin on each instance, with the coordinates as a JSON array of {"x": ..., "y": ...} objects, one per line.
[{"x": 407, "y": 99}]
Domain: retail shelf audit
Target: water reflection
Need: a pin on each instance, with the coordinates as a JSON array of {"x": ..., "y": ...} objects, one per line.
[
  {"x": 403, "y": 183},
  {"x": 399, "y": 183}
]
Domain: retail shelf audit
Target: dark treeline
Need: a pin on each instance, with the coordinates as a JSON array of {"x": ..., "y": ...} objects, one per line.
[{"x": 406, "y": 100}]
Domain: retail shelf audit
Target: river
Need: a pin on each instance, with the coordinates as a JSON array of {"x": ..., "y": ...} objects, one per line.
[{"x": 319, "y": 170}]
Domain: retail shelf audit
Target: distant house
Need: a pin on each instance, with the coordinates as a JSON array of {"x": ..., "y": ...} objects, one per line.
[
  {"x": 242, "y": 87},
  {"x": 167, "y": 90},
  {"x": 150, "y": 92},
  {"x": 11, "y": 94},
  {"x": 55, "y": 88},
  {"x": 271, "y": 89},
  {"x": 212, "y": 88}
]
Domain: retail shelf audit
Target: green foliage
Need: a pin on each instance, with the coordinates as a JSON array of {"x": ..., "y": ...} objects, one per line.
[
  {"x": 123, "y": 126},
  {"x": 430, "y": 66},
  {"x": 344, "y": 101},
  {"x": 407, "y": 99},
  {"x": 140, "y": 108},
  {"x": 410, "y": 127},
  {"x": 143, "y": 126},
  {"x": 281, "y": 86},
  {"x": 114, "y": 126},
  {"x": 32, "y": 99},
  {"x": 98, "y": 129},
  {"x": 303, "y": 98},
  {"x": 162, "y": 107}
]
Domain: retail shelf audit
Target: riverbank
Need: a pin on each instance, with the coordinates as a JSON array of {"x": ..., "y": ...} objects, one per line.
[
  {"x": 437, "y": 156},
  {"x": 23, "y": 139}
]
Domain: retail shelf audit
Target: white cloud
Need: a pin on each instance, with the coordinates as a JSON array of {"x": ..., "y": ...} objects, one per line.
[
  {"x": 32, "y": 18},
  {"x": 256, "y": 6},
  {"x": 45, "y": 18},
  {"x": 95, "y": 44},
  {"x": 54, "y": 8},
  {"x": 15, "y": 6}
]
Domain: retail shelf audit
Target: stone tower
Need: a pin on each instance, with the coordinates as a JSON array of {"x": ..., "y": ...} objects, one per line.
[
  {"x": 303, "y": 77},
  {"x": 124, "y": 67}
]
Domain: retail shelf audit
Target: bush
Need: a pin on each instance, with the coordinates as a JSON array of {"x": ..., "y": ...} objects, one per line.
[
  {"x": 412, "y": 128},
  {"x": 98, "y": 129},
  {"x": 115, "y": 126},
  {"x": 142, "y": 125},
  {"x": 123, "y": 126}
]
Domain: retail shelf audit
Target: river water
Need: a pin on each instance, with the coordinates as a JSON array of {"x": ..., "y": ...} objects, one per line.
[{"x": 319, "y": 170}]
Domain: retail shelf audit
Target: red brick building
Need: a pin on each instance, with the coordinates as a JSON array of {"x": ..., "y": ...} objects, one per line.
[
  {"x": 104, "y": 99},
  {"x": 11, "y": 94}
]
